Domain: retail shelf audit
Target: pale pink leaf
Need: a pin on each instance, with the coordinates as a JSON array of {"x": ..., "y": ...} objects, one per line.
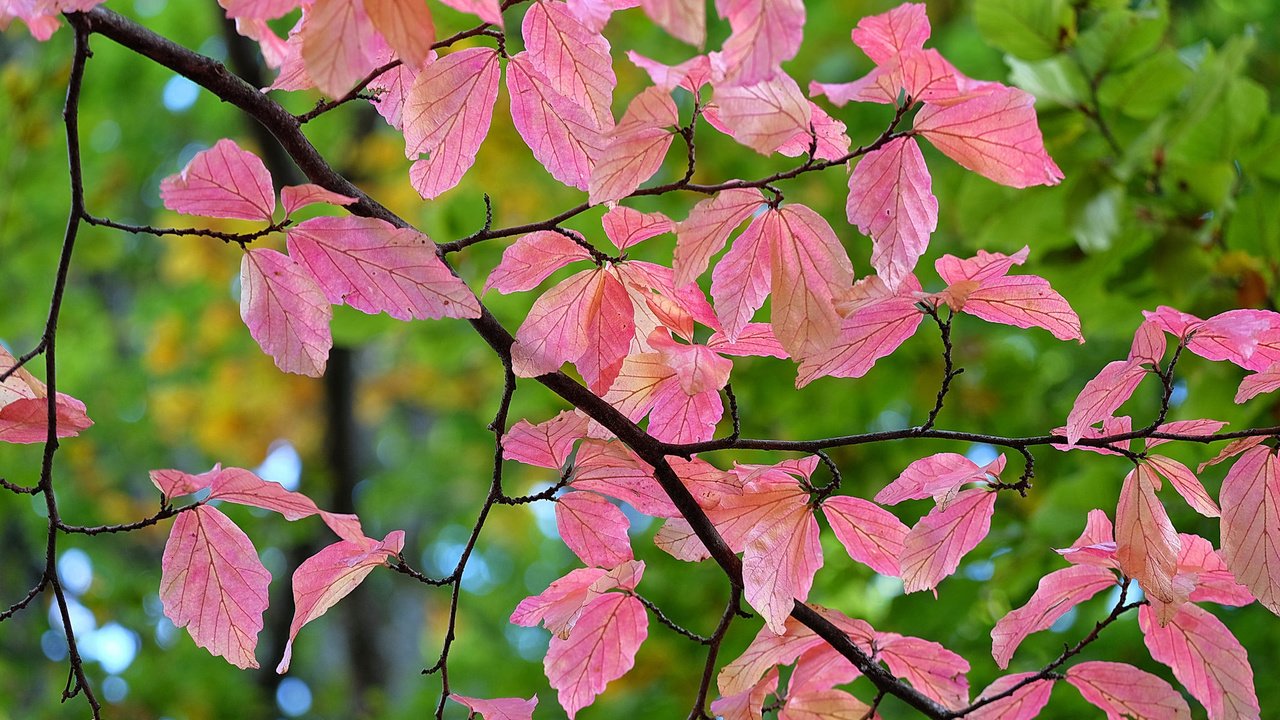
[
  {"x": 740, "y": 281},
  {"x": 755, "y": 339},
  {"x": 993, "y": 134},
  {"x": 679, "y": 417},
  {"x": 546, "y": 444},
  {"x": 677, "y": 539},
  {"x": 286, "y": 311},
  {"x": 931, "y": 668},
  {"x": 391, "y": 90},
  {"x": 638, "y": 381},
  {"x": 295, "y": 197},
  {"x": 1148, "y": 344},
  {"x": 260, "y": 9},
  {"x": 933, "y": 548},
  {"x": 574, "y": 59},
  {"x": 684, "y": 19},
  {"x": 1057, "y": 593},
  {"x": 1186, "y": 483},
  {"x": 1102, "y": 396},
  {"x": 1024, "y": 704},
  {"x": 1206, "y": 568},
  {"x": 1124, "y": 691},
  {"x": 224, "y": 182},
  {"x": 339, "y": 45},
  {"x": 489, "y": 11},
  {"x": 748, "y": 704},
  {"x": 1025, "y": 301},
  {"x": 937, "y": 476},
  {"x": 498, "y": 709},
  {"x": 1206, "y": 658},
  {"x": 407, "y": 27},
  {"x": 330, "y": 575},
  {"x": 981, "y": 268},
  {"x": 1232, "y": 449},
  {"x": 374, "y": 267},
  {"x": 593, "y": 528},
  {"x": 562, "y": 136},
  {"x": 26, "y": 420},
  {"x": 823, "y": 705},
  {"x": 611, "y": 468},
  {"x": 531, "y": 259},
  {"x": 610, "y": 327},
  {"x": 1251, "y": 524},
  {"x": 1146, "y": 543},
  {"x": 691, "y": 74},
  {"x": 828, "y": 139},
  {"x": 600, "y": 649},
  {"x": 765, "y": 115},
  {"x": 809, "y": 267},
  {"x": 1096, "y": 545},
  {"x": 871, "y": 332},
  {"x": 175, "y": 483},
  {"x": 768, "y": 650},
  {"x": 213, "y": 584},
  {"x": 555, "y": 330},
  {"x": 869, "y": 533},
  {"x": 1195, "y": 428},
  {"x": 705, "y": 231},
  {"x": 446, "y": 114},
  {"x": 888, "y": 35},
  {"x": 780, "y": 561},
  {"x": 1258, "y": 383},
  {"x": 636, "y": 149},
  {"x": 559, "y": 606},
  {"x": 891, "y": 200},
  {"x": 626, "y": 227},
  {"x": 697, "y": 367},
  {"x": 765, "y": 33}
]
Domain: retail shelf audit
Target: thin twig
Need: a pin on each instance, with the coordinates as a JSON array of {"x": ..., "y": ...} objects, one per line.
[
  {"x": 35, "y": 591},
  {"x": 662, "y": 618},
  {"x": 240, "y": 239},
  {"x": 731, "y": 610},
  {"x": 949, "y": 371},
  {"x": 164, "y": 514}
]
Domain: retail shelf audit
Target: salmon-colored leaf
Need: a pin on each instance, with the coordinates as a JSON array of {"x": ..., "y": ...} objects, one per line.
[
  {"x": 594, "y": 529},
  {"x": 1146, "y": 543},
  {"x": 1206, "y": 658},
  {"x": 1057, "y": 593},
  {"x": 891, "y": 200},
  {"x": 446, "y": 115},
  {"x": 869, "y": 533},
  {"x": 600, "y": 648},
  {"x": 286, "y": 311},
  {"x": 933, "y": 548},
  {"x": 499, "y": 709},
  {"x": 1251, "y": 524},
  {"x": 1102, "y": 396},
  {"x": 765, "y": 115},
  {"x": 223, "y": 182},
  {"x": 764, "y": 34},
  {"x": 1124, "y": 691}
]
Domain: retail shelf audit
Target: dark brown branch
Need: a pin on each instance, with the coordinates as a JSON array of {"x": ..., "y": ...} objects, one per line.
[
  {"x": 662, "y": 618},
  {"x": 240, "y": 239},
  {"x": 22, "y": 360},
  {"x": 164, "y": 514},
  {"x": 731, "y": 609},
  {"x": 19, "y": 489},
  {"x": 949, "y": 371},
  {"x": 32, "y": 594}
]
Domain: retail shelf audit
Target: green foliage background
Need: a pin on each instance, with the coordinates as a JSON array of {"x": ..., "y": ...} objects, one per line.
[{"x": 1175, "y": 203}]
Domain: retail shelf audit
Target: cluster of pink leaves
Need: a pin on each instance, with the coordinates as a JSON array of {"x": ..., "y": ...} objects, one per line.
[
  {"x": 286, "y": 300},
  {"x": 213, "y": 583},
  {"x": 42, "y": 17}
]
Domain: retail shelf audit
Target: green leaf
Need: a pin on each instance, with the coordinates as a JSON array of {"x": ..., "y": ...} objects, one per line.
[
  {"x": 1056, "y": 80},
  {"x": 1147, "y": 88},
  {"x": 1098, "y": 223},
  {"x": 1028, "y": 29},
  {"x": 1120, "y": 37}
]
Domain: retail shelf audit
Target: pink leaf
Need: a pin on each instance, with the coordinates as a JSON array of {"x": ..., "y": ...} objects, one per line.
[
  {"x": 1025, "y": 301},
  {"x": 933, "y": 548},
  {"x": 407, "y": 27},
  {"x": 931, "y": 668},
  {"x": 563, "y": 137},
  {"x": 809, "y": 267},
  {"x": 637, "y": 148},
  {"x": 891, "y": 200},
  {"x": 175, "y": 483},
  {"x": 888, "y": 35},
  {"x": 626, "y": 227},
  {"x": 213, "y": 584},
  {"x": 600, "y": 649},
  {"x": 1057, "y": 593},
  {"x": 593, "y": 528},
  {"x": 261, "y": 9},
  {"x": 680, "y": 417},
  {"x": 1124, "y": 691},
  {"x": 1186, "y": 483},
  {"x": 691, "y": 74},
  {"x": 756, "y": 339},
  {"x": 559, "y": 606},
  {"x": 573, "y": 58},
  {"x": 684, "y": 19},
  {"x": 611, "y": 468},
  {"x": 531, "y": 259},
  {"x": 766, "y": 651},
  {"x": 1148, "y": 344},
  {"x": 339, "y": 45},
  {"x": 1111, "y": 427},
  {"x": 286, "y": 312},
  {"x": 242, "y": 487},
  {"x": 24, "y": 407},
  {"x": 870, "y": 534},
  {"x": 489, "y": 11},
  {"x": 677, "y": 539},
  {"x": 1232, "y": 449},
  {"x": 1258, "y": 383},
  {"x": 981, "y": 268},
  {"x": 1096, "y": 545},
  {"x": 748, "y": 704},
  {"x": 938, "y": 476},
  {"x": 499, "y": 709},
  {"x": 697, "y": 367},
  {"x": 765, "y": 33},
  {"x": 224, "y": 182},
  {"x": 993, "y": 134},
  {"x": 740, "y": 281},
  {"x": 610, "y": 328},
  {"x": 375, "y": 267},
  {"x": 871, "y": 332},
  {"x": 1146, "y": 543},
  {"x": 1024, "y": 704},
  {"x": 1206, "y": 658},
  {"x": 392, "y": 88},
  {"x": 765, "y": 115},
  {"x": 330, "y": 575},
  {"x": 1206, "y": 568},
  {"x": 705, "y": 231},
  {"x": 546, "y": 444},
  {"x": 295, "y": 197},
  {"x": 555, "y": 331},
  {"x": 1201, "y": 428},
  {"x": 1102, "y": 396},
  {"x": 1251, "y": 524},
  {"x": 447, "y": 114}
]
